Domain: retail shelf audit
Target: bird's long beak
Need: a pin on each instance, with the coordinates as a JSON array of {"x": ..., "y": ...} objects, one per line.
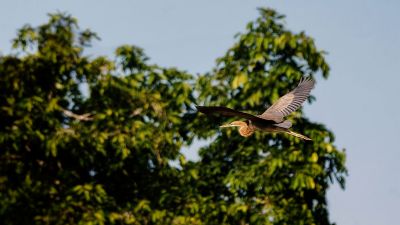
[{"x": 226, "y": 125}]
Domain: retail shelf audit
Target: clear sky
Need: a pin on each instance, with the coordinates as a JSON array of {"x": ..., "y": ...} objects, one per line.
[{"x": 359, "y": 102}]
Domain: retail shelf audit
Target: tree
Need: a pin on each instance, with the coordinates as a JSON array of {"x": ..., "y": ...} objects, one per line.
[{"x": 92, "y": 141}]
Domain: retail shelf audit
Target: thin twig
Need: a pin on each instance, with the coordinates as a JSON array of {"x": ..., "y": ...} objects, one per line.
[
  {"x": 137, "y": 111},
  {"x": 83, "y": 117}
]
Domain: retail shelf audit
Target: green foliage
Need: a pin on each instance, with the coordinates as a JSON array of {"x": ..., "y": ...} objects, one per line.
[{"x": 109, "y": 155}]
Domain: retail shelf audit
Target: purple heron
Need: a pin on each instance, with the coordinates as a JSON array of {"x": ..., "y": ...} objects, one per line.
[{"x": 272, "y": 120}]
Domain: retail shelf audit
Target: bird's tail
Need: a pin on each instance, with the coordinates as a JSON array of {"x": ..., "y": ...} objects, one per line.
[{"x": 298, "y": 135}]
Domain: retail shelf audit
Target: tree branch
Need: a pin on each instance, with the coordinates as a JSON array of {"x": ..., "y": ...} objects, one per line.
[{"x": 83, "y": 117}]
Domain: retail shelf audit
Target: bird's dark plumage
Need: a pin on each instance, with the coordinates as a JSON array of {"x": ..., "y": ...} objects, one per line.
[{"x": 227, "y": 112}]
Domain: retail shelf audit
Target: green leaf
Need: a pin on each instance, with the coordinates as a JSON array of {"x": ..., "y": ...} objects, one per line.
[
  {"x": 314, "y": 157},
  {"x": 238, "y": 80}
]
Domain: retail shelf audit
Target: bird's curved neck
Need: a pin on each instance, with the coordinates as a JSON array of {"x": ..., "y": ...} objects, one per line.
[{"x": 246, "y": 130}]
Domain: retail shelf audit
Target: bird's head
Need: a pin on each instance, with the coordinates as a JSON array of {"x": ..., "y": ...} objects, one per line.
[{"x": 235, "y": 124}]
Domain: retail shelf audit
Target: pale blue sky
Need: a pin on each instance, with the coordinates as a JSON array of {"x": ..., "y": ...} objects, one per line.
[{"x": 359, "y": 102}]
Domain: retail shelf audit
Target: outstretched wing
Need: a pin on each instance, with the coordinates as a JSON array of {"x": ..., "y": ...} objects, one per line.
[
  {"x": 227, "y": 112},
  {"x": 291, "y": 101}
]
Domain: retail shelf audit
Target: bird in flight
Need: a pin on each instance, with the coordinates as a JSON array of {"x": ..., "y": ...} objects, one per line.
[{"x": 272, "y": 120}]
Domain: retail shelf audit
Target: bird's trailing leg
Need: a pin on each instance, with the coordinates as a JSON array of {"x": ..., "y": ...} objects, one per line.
[{"x": 298, "y": 135}]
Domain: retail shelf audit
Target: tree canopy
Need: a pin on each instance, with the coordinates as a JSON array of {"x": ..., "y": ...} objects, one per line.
[{"x": 90, "y": 140}]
